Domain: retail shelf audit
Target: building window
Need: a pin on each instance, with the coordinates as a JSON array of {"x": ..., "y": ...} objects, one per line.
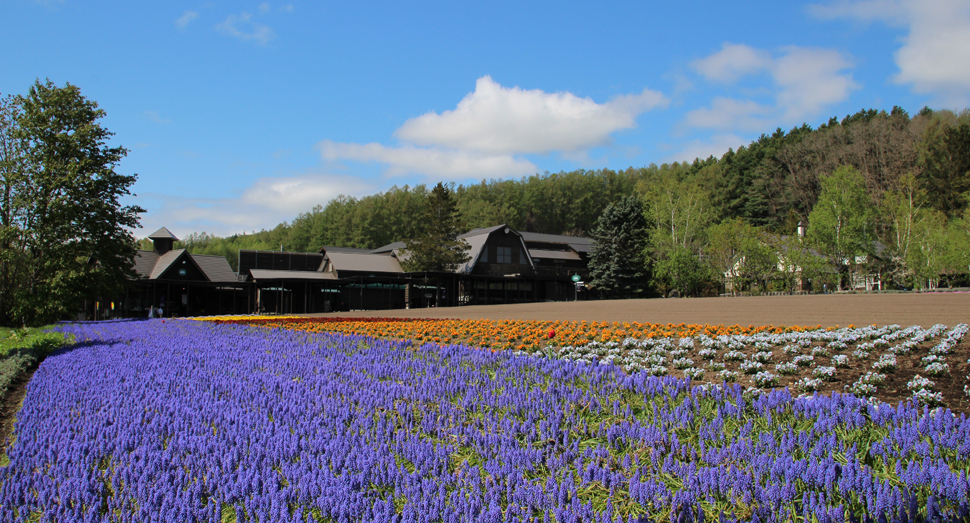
[{"x": 503, "y": 255}]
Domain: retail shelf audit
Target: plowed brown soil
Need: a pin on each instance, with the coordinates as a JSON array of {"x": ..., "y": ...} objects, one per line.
[{"x": 826, "y": 310}]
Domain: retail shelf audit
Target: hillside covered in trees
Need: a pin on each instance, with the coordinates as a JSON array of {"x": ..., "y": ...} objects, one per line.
[{"x": 772, "y": 184}]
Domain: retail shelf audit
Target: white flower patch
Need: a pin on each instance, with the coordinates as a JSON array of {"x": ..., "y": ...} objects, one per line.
[
  {"x": 693, "y": 373},
  {"x": 733, "y": 356},
  {"x": 715, "y": 366},
  {"x": 765, "y": 379},
  {"x": 751, "y": 367},
  {"x": 903, "y": 348},
  {"x": 920, "y": 383},
  {"x": 786, "y": 369},
  {"x": 707, "y": 354},
  {"x": 820, "y": 351},
  {"x": 873, "y": 377},
  {"x": 825, "y": 373},
  {"x": 763, "y": 356},
  {"x": 808, "y": 384},
  {"x": 840, "y": 360},
  {"x": 866, "y": 384},
  {"x": 887, "y": 362},
  {"x": 927, "y": 397},
  {"x": 683, "y": 363},
  {"x": 860, "y": 354},
  {"x": 804, "y": 360},
  {"x": 791, "y": 349},
  {"x": 862, "y": 389},
  {"x": 937, "y": 369},
  {"x": 728, "y": 376},
  {"x": 657, "y": 370}
]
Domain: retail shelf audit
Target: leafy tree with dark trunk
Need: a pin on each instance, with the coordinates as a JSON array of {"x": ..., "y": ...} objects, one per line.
[
  {"x": 63, "y": 229},
  {"x": 438, "y": 248},
  {"x": 618, "y": 263}
]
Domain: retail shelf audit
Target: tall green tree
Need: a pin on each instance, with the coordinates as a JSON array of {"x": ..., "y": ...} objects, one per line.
[
  {"x": 64, "y": 232},
  {"x": 678, "y": 213},
  {"x": 839, "y": 224},
  {"x": 438, "y": 248},
  {"x": 617, "y": 264}
]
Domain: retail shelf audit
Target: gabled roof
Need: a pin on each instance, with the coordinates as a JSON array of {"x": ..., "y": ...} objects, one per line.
[
  {"x": 144, "y": 263},
  {"x": 162, "y": 234},
  {"x": 484, "y": 230},
  {"x": 363, "y": 262},
  {"x": 215, "y": 267},
  {"x": 149, "y": 265},
  {"x": 164, "y": 262}
]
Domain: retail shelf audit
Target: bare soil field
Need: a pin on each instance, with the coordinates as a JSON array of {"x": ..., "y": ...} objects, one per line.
[{"x": 827, "y": 310}]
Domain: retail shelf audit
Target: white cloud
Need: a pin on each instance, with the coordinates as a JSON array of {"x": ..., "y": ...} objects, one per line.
[
  {"x": 265, "y": 203},
  {"x": 242, "y": 26},
  {"x": 732, "y": 62},
  {"x": 805, "y": 82},
  {"x": 810, "y": 80},
  {"x": 264, "y": 7},
  {"x": 491, "y": 127},
  {"x": 934, "y": 55},
  {"x": 187, "y": 18},
  {"x": 300, "y": 193},
  {"x": 433, "y": 162},
  {"x": 501, "y": 120},
  {"x": 715, "y": 146},
  {"x": 727, "y": 113}
]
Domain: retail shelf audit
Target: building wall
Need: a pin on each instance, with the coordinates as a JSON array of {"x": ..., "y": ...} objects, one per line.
[{"x": 493, "y": 267}]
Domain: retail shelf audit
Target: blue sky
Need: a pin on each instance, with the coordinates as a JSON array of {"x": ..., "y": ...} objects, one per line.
[{"x": 241, "y": 115}]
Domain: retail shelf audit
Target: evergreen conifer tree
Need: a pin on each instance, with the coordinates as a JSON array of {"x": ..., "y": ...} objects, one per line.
[
  {"x": 438, "y": 248},
  {"x": 618, "y": 264}
]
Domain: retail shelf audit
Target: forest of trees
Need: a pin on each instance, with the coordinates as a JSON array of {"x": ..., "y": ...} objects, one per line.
[{"x": 915, "y": 171}]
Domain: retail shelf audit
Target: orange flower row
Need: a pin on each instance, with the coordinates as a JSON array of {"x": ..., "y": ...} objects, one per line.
[{"x": 503, "y": 334}]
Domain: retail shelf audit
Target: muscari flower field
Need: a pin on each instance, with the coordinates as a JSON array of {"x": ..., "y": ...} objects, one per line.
[{"x": 202, "y": 421}]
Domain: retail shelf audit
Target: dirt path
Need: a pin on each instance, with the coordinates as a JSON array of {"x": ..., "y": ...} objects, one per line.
[{"x": 826, "y": 310}]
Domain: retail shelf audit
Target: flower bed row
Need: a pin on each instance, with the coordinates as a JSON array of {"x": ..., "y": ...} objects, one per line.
[
  {"x": 501, "y": 334},
  {"x": 188, "y": 421},
  {"x": 888, "y": 363}
]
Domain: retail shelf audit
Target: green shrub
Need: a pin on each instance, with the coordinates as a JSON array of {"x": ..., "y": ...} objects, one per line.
[{"x": 22, "y": 349}]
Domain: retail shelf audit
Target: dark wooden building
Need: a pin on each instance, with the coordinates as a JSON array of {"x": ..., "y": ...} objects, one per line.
[{"x": 174, "y": 282}]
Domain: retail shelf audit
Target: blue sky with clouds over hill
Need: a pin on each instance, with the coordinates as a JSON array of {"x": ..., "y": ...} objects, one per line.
[{"x": 241, "y": 115}]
